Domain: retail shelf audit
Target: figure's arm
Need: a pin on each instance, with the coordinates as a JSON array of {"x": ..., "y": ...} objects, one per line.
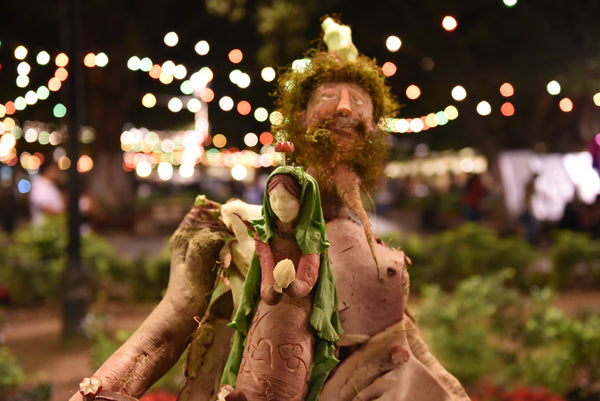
[
  {"x": 267, "y": 265},
  {"x": 157, "y": 344},
  {"x": 306, "y": 276}
]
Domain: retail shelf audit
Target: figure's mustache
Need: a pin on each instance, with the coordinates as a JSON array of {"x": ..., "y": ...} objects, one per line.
[
  {"x": 341, "y": 123},
  {"x": 345, "y": 122}
]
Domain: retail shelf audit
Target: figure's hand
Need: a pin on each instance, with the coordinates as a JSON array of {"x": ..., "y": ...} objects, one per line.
[{"x": 284, "y": 273}]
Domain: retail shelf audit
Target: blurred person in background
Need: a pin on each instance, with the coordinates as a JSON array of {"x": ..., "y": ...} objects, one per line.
[
  {"x": 46, "y": 197},
  {"x": 473, "y": 198}
]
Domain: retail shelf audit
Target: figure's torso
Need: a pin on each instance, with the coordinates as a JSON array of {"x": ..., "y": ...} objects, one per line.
[{"x": 278, "y": 355}]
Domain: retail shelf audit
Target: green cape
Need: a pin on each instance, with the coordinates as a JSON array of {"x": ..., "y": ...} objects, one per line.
[{"x": 324, "y": 317}]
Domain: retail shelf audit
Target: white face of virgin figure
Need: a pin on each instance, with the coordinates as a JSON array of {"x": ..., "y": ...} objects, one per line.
[{"x": 285, "y": 205}]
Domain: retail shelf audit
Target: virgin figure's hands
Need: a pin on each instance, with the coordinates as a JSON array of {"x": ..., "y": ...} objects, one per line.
[{"x": 284, "y": 273}]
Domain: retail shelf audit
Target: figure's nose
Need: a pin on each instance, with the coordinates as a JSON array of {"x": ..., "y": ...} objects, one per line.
[{"x": 343, "y": 107}]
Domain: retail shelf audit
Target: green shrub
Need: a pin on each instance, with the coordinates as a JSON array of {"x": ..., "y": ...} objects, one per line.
[
  {"x": 35, "y": 257},
  {"x": 11, "y": 372},
  {"x": 149, "y": 276},
  {"x": 470, "y": 249},
  {"x": 575, "y": 259},
  {"x": 488, "y": 330}
]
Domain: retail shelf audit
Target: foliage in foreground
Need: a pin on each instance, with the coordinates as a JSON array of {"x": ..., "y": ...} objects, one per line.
[
  {"x": 12, "y": 378},
  {"x": 486, "y": 330}
]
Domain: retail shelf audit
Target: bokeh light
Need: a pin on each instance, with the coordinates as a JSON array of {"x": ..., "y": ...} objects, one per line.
[
  {"x": 59, "y": 110},
  {"x": 389, "y": 69},
  {"x": 553, "y": 88},
  {"x": 155, "y": 71},
  {"x": 566, "y": 105},
  {"x": 54, "y": 84},
  {"x": 175, "y": 104},
  {"x": 226, "y": 103},
  {"x": 61, "y": 74},
  {"x": 596, "y": 99},
  {"x": 171, "y": 39},
  {"x": 393, "y": 43},
  {"x": 134, "y": 63},
  {"x": 23, "y": 68},
  {"x": 207, "y": 95},
  {"x": 266, "y": 138},
  {"x": 451, "y": 113},
  {"x": 235, "y": 56},
  {"x": 507, "y": 90},
  {"x": 202, "y": 48},
  {"x": 42, "y": 58},
  {"x": 42, "y": 93},
  {"x": 186, "y": 170},
  {"x": 509, "y": 3},
  {"x": 261, "y": 114},
  {"x": 243, "y": 107},
  {"x": 427, "y": 64},
  {"x": 507, "y": 109},
  {"x": 250, "y": 139},
  {"x": 239, "y": 172},
  {"x": 194, "y": 105},
  {"x": 143, "y": 169},
  {"x": 219, "y": 141},
  {"x": 449, "y": 23},
  {"x": 101, "y": 59},
  {"x": 165, "y": 171},
  {"x": 484, "y": 108},
  {"x": 146, "y": 64},
  {"x": 268, "y": 74},
  {"x": 21, "y": 52},
  {"x": 413, "y": 92},
  {"x": 458, "y": 93},
  {"x": 61, "y": 60},
  {"x": 89, "y": 60},
  {"x": 85, "y": 164},
  {"x": 149, "y": 100},
  {"x": 22, "y": 81}
]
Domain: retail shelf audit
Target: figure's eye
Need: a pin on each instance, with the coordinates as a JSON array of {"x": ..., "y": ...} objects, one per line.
[
  {"x": 329, "y": 96},
  {"x": 356, "y": 100}
]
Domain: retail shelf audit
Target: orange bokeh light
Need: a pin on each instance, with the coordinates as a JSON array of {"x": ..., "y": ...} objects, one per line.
[
  {"x": 507, "y": 109},
  {"x": 566, "y": 105},
  {"x": 235, "y": 56},
  {"x": 413, "y": 92},
  {"x": 54, "y": 84},
  {"x": 61, "y": 74},
  {"x": 207, "y": 95},
  {"x": 244, "y": 108},
  {"x": 507, "y": 90},
  {"x": 266, "y": 138},
  {"x": 85, "y": 164},
  {"x": 388, "y": 68},
  {"x": 10, "y": 107},
  {"x": 155, "y": 71},
  {"x": 89, "y": 60},
  {"x": 61, "y": 60}
]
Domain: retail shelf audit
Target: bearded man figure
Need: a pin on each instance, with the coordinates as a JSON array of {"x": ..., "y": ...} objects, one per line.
[{"x": 331, "y": 108}]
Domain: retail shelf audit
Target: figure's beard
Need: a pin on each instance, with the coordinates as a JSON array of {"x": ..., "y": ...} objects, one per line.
[{"x": 346, "y": 142}]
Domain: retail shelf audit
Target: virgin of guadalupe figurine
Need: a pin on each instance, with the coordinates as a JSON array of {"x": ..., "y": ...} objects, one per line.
[{"x": 287, "y": 322}]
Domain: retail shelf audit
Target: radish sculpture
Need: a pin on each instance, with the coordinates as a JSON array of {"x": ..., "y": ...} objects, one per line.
[{"x": 336, "y": 107}]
